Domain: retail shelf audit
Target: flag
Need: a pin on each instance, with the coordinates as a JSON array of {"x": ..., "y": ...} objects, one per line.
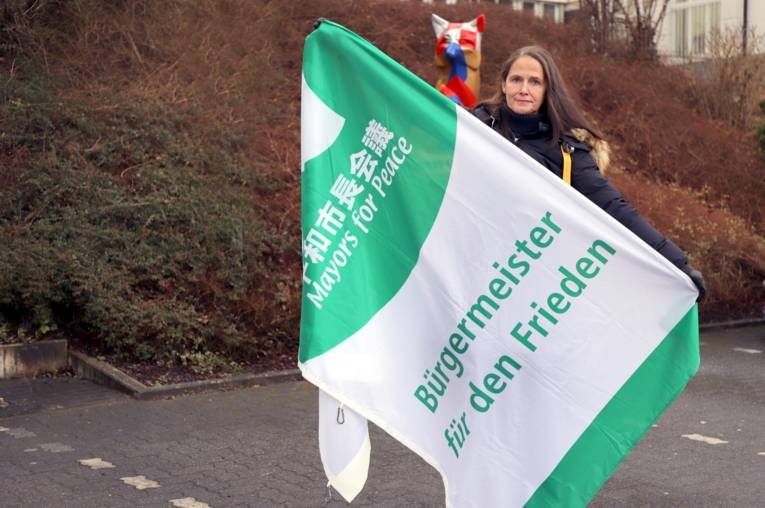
[{"x": 464, "y": 299}]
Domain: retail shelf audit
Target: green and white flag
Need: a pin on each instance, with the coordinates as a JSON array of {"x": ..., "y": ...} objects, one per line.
[{"x": 465, "y": 300}]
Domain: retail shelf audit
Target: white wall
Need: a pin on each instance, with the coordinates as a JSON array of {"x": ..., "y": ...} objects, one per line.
[
  {"x": 731, "y": 17},
  {"x": 757, "y": 15}
]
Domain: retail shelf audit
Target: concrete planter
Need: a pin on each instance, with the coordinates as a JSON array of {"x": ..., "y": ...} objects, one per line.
[{"x": 22, "y": 360}]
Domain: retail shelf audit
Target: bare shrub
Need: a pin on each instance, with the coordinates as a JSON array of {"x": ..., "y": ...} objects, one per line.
[
  {"x": 600, "y": 19},
  {"x": 729, "y": 85},
  {"x": 625, "y": 27},
  {"x": 760, "y": 129}
]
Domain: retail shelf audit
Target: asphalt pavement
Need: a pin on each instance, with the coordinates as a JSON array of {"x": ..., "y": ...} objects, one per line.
[{"x": 66, "y": 442}]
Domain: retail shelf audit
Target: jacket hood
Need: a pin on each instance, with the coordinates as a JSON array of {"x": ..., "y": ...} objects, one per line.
[{"x": 599, "y": 149}]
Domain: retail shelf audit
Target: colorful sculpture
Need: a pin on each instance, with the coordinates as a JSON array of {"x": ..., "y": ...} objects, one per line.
[{"x": 458, "y": 57}]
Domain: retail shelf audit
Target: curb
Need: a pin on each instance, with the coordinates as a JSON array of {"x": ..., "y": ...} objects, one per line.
[
  {"x": 102, "y": 373},
  {"x": 725, "y": 325}
]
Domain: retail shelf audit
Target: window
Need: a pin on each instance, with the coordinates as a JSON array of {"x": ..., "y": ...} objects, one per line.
[
  {"x": 680, "y": 32},
  {"x": 528, "y": 6},
  {"x": 714, "y": 17},
  {"x": 549, "y": 11},
  {"x": 698, "y": 29},
  {"x": 694, "y": 22}
]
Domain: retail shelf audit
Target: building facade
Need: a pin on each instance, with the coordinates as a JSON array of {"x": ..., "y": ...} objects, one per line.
[
  {"x": 690, "y": 25},
  {"x": 553, "y": 9}
]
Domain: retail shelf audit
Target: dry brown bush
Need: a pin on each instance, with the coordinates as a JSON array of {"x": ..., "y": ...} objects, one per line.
[
  {"x": 730, "y": 83},
  {"x": 235, "y": 65},
  {"x": 718, "y": 242}
]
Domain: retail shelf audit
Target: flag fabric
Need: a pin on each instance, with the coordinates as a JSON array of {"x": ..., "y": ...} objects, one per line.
[{"x": 464, "y": 299}]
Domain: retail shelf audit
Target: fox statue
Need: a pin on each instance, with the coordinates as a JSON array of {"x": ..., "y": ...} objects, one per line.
[{"x": 458, "y": 58}]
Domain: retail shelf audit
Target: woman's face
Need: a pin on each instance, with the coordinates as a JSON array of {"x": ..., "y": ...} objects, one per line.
[{"x": 525, "y": 86}]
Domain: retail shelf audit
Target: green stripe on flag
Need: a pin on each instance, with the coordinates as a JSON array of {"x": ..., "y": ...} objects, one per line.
[
  {"x": 391, "y": 161},
  {"x": 624, "y": 420}
]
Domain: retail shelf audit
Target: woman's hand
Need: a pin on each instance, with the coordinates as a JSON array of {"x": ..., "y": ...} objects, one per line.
[{"x": 698, "y": 281}]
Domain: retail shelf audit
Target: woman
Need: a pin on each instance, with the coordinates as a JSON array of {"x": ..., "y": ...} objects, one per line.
[{"x": 534, "y": 110}]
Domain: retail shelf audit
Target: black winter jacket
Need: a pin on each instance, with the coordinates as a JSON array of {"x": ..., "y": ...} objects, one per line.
[{"x": 533, "y": 136}]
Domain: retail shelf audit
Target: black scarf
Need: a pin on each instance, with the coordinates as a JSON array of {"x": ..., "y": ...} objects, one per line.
[{"x": 514, "y": 126}]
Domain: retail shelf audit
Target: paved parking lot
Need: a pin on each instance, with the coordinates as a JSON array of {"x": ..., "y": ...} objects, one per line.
[{"x": 69, "y": 443}]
